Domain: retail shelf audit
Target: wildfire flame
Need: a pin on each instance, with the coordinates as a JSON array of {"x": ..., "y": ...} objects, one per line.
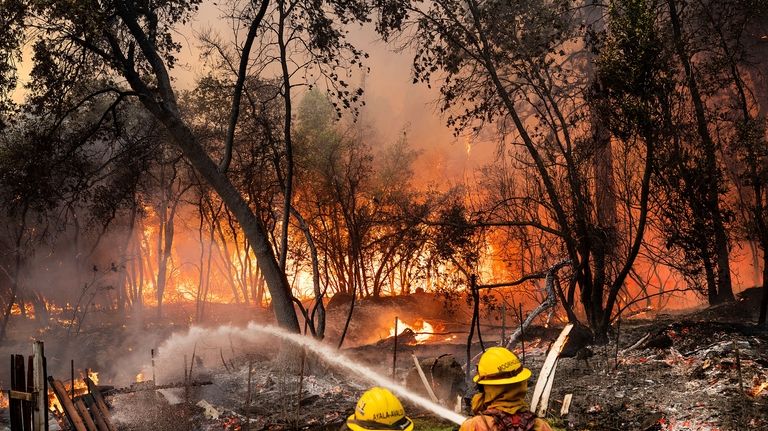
[
  {"x": 80, "y": 389},
  {"x": 758, "y": 389},
  {"x": 29, "y": 310},
  {"x": 140, "y": 377},
  {"x": 3, "y": 399},
  {"x": 424, "y": 330}
]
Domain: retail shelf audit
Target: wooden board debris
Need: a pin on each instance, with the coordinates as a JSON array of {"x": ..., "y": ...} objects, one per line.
[
  {"x": 424, "y": 379},
  {"x": 566, "y": 405},
  {"x": 69, "y": 409},
  {"x": 101, "y": 405},
  {"x": 543, "y": 387},
  {"x": 85, "y": 414}
]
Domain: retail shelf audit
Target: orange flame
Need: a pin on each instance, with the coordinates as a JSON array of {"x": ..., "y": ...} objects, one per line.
[
  {"x": 424, "y": 330},
  {"x": 758, "y": 389},
  {"x": 3, "y": 400},
  {"x": 29, "y": 310},
  {"x": 80, "y": 389}
]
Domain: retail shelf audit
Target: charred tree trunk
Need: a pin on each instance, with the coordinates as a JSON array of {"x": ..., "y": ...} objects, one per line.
[
  {"x": 41, "y": 309},
  {"x": 162, "y": 104},
  {"x": 288, "y": 179},
  {"x": 709, "y": 273},
  {"x": 226, "y": 261},
  {"x": 162, "y": 269},
  {"x": 318, "y": 310},
  {"x": 349, "y": 316},
  {"x": 16, "y": 272},
  {"x": 122, "y": 282},
  {"x": 242, "y": 280},
  {"x": 763, "y": 317},
  {"x": 259, "y": 298},
  {"x": 725, "y": 291},
  {"x": 602, "y": 163},
  {"x": 206, "y": 282},
  {"x": 139, "y": 259},
  {"x": 616, "y": 287}
]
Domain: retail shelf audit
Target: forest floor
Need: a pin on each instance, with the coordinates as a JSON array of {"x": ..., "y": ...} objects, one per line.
[{"x": 704, "y": 370}]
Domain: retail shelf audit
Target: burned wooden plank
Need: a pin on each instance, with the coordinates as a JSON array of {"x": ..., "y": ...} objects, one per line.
[
  {"x": 96, "y": 413},
  {"x": 39, "y": 386},
  {"x": 16, "y": 404},
  {"x": 69, "y": 409},
  {"x": 424, "y": 381},
  {"x": 101, "y": 404},
  {"x": 540, "y": 400},
  {"x": 18, "y": 395},
  {"x": 566, "y": 408},
  {"x": 86, "y": 415},
  {"x": 29, "y": 405}
]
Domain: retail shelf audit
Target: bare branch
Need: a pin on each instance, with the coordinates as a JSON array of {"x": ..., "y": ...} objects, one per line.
[{"x": 235, "y": 113}]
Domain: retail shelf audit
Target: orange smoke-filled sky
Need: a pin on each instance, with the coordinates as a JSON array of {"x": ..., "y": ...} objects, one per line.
[{"x": 393, "y": 103}]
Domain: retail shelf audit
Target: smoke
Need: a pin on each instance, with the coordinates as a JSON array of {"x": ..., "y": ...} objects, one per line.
[{"x": 207, "y": 342}]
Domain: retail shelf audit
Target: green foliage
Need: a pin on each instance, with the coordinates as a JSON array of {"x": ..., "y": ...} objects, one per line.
[
  {"x": 633, "y": 70},
  {"x": 458, "y": 237},
  {"x": 12, "y": 16},
  {"x": 750, "y": 152},
  {"x": 517, "y": 38}
]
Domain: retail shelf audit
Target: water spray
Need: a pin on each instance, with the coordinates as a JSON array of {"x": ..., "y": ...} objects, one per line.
[
  {"x": 255, "y": 333},
  {"x": 334, "y": 356}
]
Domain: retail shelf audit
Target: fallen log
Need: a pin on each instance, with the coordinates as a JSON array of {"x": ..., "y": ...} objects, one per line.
[
  {"x": 98, "y": 416},
  {"x": 549, "y": 302},
  {"x": 86, "y": 415},
  {"x": 405, "y": 337},
  {"x": 427, "y": 386},
  {"x": 540, "y": 400},
  {"x": 69, "y": 409},
  {"x": 152, "y": 387},
  {"x": 100, "y": 404},
  {"x": 636, "y": 345}
]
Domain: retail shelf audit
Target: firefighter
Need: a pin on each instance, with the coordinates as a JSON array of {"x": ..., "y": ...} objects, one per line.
[
  {"x": 378, "y": 410},
  {"x": 499, "y": 404}
]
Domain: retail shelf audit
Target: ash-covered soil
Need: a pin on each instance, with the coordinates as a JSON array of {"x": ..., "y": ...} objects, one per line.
[
  {"x": 697, "y": 383},
  {"x": 707, "y": 379},
  {"x": 698, "y": 371}
]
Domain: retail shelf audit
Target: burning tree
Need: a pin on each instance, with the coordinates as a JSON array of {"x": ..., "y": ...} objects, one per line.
[
  {"x": 552, "y": 80},
  {"x": 528, "y": 87},
  {"x": 128, "y": 50}
]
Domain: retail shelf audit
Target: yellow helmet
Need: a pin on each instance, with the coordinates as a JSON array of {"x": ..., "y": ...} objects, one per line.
[
  {"x": 377, "y": 410},
  {"x": 499, "y": 366}
]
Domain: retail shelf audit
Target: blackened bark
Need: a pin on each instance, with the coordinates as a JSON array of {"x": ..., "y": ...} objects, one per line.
[
  {"x": 725, "y": 291},
  {"x": 161, "y": 103},
  {"x": 288, "y": 180},
  {"x": 762, "y": 320},
  {"x": 709, "y": 272},
  {"x": 252, "y": 227},
  {"x": 122, "y": 282},
  {"x": 17, "y": 271}
]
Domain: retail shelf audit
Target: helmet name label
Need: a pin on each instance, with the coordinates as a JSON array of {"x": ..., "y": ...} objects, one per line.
[
  {"x": 389, "y": 414},
  {"x": 508, "y": 365}
]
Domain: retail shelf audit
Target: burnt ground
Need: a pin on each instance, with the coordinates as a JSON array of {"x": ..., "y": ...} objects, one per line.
[{"x": 696, "y": 371}]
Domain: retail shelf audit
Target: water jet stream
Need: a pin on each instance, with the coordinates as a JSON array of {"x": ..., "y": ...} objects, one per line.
[{"x": 332, "y": 355}]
